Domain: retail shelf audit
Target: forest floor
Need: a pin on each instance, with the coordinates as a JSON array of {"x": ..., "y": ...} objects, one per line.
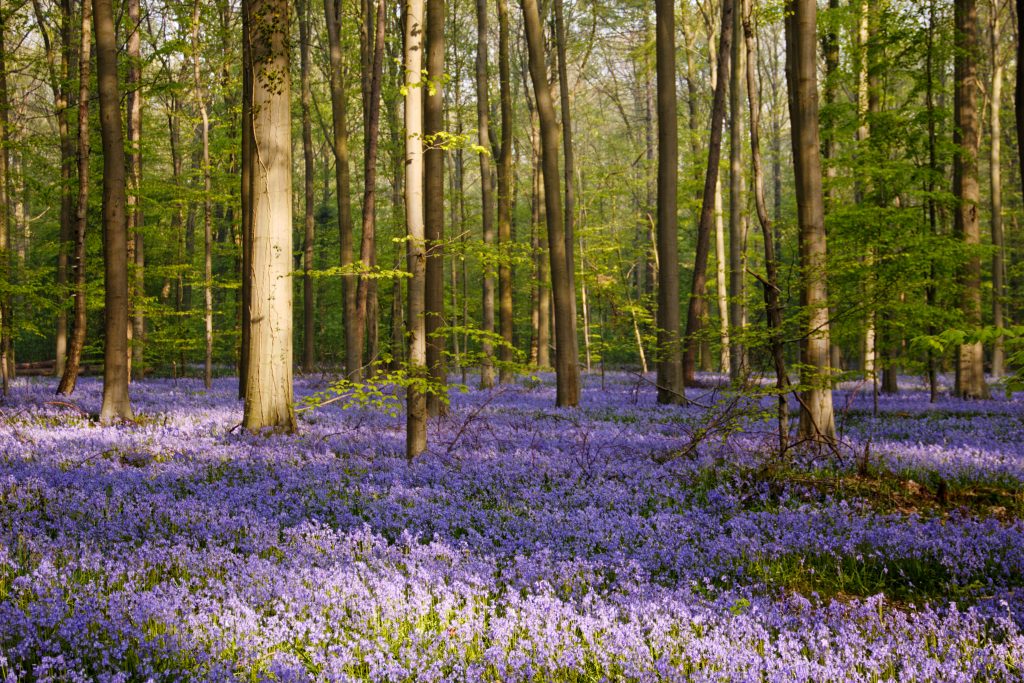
[{"x": 619, "y": 541}]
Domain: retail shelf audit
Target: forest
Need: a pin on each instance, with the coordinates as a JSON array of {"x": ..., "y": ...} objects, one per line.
[{"x": 557, "y": 340}]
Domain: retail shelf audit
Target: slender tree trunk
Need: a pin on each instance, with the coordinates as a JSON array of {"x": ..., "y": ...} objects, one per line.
[
  {"x": 368, "y": 243},
  {"x": 863, "y": 133},
  {"x": 197, "y": 83},
  {"x": 930, "y": 293},
  {"x": 79, "y": 323},
  {"x": 721, "y": 280},
  {"x": 486, "y": 194},
  {"x": 505, "y": 312},
  {"x": 136, "y": 332},
  {"x": 817, "y": 422},
  {"x": 268, "y": 397},
  {"x": 670, "y": 363},
  {"x": 540, "y": 293},
  {"x": 353, "y": 360},
  {"x": 995, "y": 177},
  {"x": 115, "y": 220},
  {"x": 5, "y": 166},
  {"x": 970, "y": 376},
  {"x": 308, "y": 330},
  {"x": 561, "y": 38},
  {"x": 772, "y": 291},
  {"x": 416, "y": 408},
  {"x": 566, "y": 351},
  {"x": 737, "y": 207},
  {"x": 700, "y": 266},
  {"x": 433, "y": 159},
  {"x": 1019, "y": 109},
  {"x": 246, "y": 196}
]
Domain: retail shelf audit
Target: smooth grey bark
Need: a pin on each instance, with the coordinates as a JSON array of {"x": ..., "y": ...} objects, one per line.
[{"x": 433, "y": 208}]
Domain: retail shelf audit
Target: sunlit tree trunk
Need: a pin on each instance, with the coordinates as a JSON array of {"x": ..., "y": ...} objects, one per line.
[
  {"x": 79, "y": 323},
  {"x": 433, "y": 198},
  {"x": 566, "y": 352},
  {"x": 268, "y": 397},
  {"x": 996, "y": 180},
  {"x": 970, "y": 376},
  {"x": 817, "y": 422},
  {"x": 115, "y": 220},
  {"x": 5, "y": 305},
  {"x": 670, "y": 363},
  {"x": 416, "y": 403}
]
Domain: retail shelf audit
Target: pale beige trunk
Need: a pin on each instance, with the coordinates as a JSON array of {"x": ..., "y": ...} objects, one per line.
[
  {"x": 268, "y": 386},
  {"x": 722, "y": 293},
  {"x": 137, "y": 330},
  {"x": 416, "y": 404},
  {"x": 737, "y": 205},
  {"x": 996, "y": 180},
  {"x": 197, "y": 83}
]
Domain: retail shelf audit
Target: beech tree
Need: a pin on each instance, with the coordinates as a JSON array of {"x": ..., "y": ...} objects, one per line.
[
  {"x": 268, "y": 385},
  {"x": 416, "y": 400},
  {"x": 115, "y": 220},
  {"x": 817, "y": 422},
  {"x": 566, "y": 346}
]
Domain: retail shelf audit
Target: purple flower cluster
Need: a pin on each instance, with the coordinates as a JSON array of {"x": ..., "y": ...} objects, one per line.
[{"x": 529, "y": 544}]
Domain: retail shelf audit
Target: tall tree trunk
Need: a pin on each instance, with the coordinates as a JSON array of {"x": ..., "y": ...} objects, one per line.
[
  {"x": 5, "y": 301},
  {"x": 268, "y": 397},
  {"x": 933, "y": 168},
  {"x": 353, "y": 361},
  {"x": 817, "y": 422},
  {"x": 505, "y": 313},
  {"x": 368, "y": 244},
  {"x": 670, "y": 362},
  {"x": 567, "y": 370},
  {"x": 308, "y": 346},
  {"x": 79, "y": 322},
  {"x": 207, "y": 200},
  {"x": 863, "y": 133},
  {"x": 540, "y": 294},
  {"x": 115, "y": 220},
  {"x": 721, "y": 280},
  {"x": 996, "y": 178},
  {"x": 433, "y": 208},
  {"x": 737, "y": 208},
  {"x": 416, "y": 403},
  {"x": 486, "y": 194},
  {"x": 970, "y": 376},
  {"x": 246, "y": 196},
  {"x": 561, "y": 38},
  {"x": 137, "y": 261},
  {"x": 1019, "y": 109},
  {"x": 700, "y": 264},
  {"x": 772, "y": 291}
]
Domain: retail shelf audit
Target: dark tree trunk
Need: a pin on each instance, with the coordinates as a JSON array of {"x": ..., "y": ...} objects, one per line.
[
  {"x": 505, "y": 320},
  {"x": 566, "y": 351},
  {"x": 79, "y": 322},
  {"x": 817, "y": 422},
  {"x": 670, "y": 364},
  {"x": 308, "y": 345},
  {"x": 486, "y": 194},
  {"x": 707, "y": 210},
  {"x": 353, "y": 361},
  {"x": 115, "y": 220}
]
